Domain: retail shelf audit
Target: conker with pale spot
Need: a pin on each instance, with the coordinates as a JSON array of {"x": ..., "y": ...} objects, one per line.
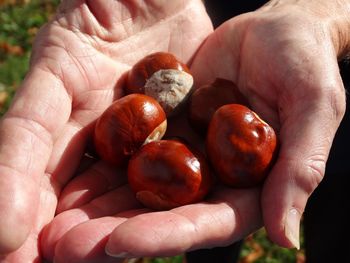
[
  {"x": 162, "y": 76},
  {"x": 126, "y": 125}
]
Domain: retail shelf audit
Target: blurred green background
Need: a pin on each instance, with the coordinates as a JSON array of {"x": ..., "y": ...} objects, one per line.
[{"x": 20, "y": 20}]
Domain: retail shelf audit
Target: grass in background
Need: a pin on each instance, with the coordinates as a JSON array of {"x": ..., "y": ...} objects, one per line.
[
  {"x": 19, "y": 23},
  {"x": 257, "y": 248}
]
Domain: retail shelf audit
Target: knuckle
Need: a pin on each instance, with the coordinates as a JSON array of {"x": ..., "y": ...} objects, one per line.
[
  {"x": 310, "y": 178},
  {"x": 337, "y": 102}
]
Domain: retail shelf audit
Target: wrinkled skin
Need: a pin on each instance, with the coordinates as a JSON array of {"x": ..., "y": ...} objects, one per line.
[
  {"x": 281, "y": 57},
  {"x": 77, "y": 61}
]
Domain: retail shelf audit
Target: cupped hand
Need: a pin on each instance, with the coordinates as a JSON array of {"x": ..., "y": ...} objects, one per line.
[
  {"x": 76, "y": 64},
  {"x": 284, "y": 62},
  {"x": 283, "y": 57}
]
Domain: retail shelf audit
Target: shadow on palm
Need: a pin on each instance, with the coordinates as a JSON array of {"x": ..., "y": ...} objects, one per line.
[
  {"x": 85, "y": 51},
  {"x": 97, "y": 204},
  {"x": 96, "y": 207}
]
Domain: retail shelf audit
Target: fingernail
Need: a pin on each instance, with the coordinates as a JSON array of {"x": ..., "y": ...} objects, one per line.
[
  {"x": 118, "y": 255},
  {"x": 292, "y": 226}
]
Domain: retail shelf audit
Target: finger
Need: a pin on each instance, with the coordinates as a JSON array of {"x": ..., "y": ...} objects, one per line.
[
  {"x": 97, "y": 180},
  {"x": 307, "y": 131},
  {"x": 229, "y": 216},
  {"x": 86, "y": 242},
  {"x": 40, "y": 108},
  {"x": 118, "y": 200}
]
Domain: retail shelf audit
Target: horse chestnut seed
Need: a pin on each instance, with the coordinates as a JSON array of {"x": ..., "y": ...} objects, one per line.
[
  {"x": 208, "y": 98},
  {"x": 162, "y": 76},
  {"x": 126, "y": 125},
  {"x": 240, "y": 146},
  {"x": 166, "y": 174}
]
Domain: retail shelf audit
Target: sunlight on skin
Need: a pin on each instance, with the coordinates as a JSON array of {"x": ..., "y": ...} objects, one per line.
[
  {"x": 291, "y": 79},
  {"x": 280, "y": 58},
  {"x": 76, "y": 63}
]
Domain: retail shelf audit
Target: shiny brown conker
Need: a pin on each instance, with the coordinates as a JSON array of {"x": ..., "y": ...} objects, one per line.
[
  {"x": 126, "y": 125},
  {"x": 162, "y": 76},
  {"x": 240, "y": 146},
  {"x": 208, "y": 98},
  {"x": 166, "y": 174}
]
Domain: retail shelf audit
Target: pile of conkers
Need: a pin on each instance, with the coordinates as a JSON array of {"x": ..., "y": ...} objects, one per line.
[{"x": 165, "y": 173}]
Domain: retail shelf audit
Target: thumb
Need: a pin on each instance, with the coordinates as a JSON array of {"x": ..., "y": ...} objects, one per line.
[
  {"x": 308, "y": 127},
  {"x": 26, "y": 139}
]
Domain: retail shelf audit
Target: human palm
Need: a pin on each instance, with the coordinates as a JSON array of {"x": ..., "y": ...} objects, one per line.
[
  {"x": 76, "y": 72},
  {"x": 77, "y": 63},
  {"x": 283, "y": 58},
  {"x": 98, "y": 201},
  {"x": 281, "y": 70}
]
